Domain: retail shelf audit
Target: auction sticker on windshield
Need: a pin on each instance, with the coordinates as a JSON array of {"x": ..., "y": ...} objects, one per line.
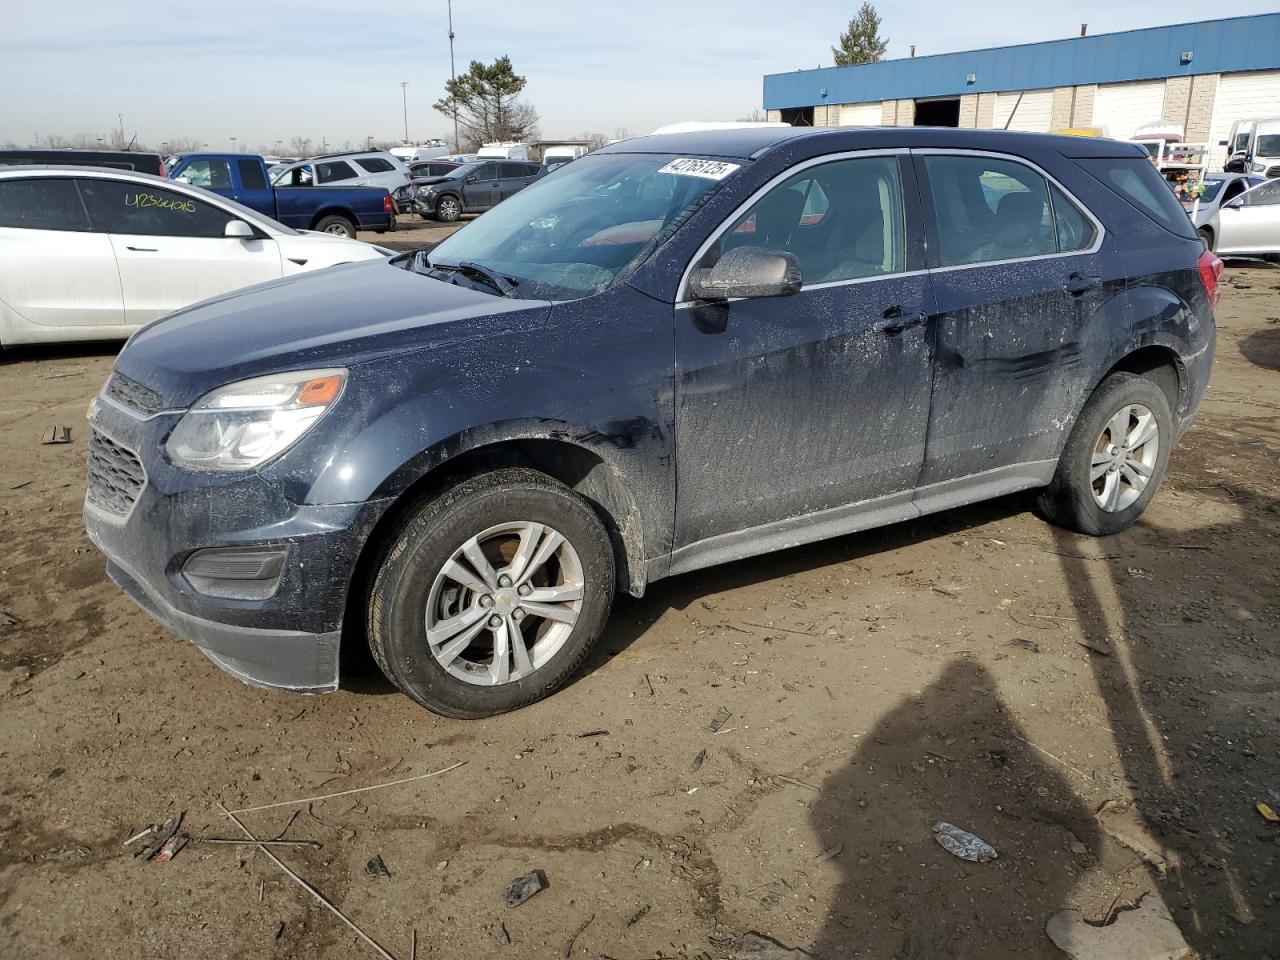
[{"x": 693, "y": 167}]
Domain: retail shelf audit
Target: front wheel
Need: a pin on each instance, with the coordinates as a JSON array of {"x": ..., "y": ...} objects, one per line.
[
  {"x": 492, "y": 594},
  {"x": 448, "y": 209},
  {"x": 1114, "y": 460},
  {"x": 337, "y": 225},
  {"x": 1206, "y": 235}
]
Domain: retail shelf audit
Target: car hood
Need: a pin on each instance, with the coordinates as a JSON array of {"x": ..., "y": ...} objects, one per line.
[
  {"x": 428, "y": 181},
  {"x": 337, "y": 317},
  {"x": 327, "y": 248}
]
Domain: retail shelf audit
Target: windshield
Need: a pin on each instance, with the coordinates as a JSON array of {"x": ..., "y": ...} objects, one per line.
[
  {"x": 1268, "y": 145},
  {"x": 1211, "y": 190},
  {"x": 586, "y": 226}
]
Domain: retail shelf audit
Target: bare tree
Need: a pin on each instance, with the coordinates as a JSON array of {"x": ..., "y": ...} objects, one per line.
[
  {"x": 594, "y": 140},
  {"x": 755, "y": 116},
  {"x": 300, "y": 146}
]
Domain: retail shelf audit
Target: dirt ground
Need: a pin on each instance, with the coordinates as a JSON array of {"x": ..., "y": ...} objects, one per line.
[{"x": 759, "y": 747}]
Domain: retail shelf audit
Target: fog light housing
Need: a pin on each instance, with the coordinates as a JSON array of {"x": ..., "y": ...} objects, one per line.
[{"x": 236, "y": 573}]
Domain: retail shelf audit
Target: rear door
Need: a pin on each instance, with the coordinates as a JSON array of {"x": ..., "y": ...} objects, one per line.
[
  {"x": 171, "y": 248},
  {"x": 54, "y": 271},
  {"x": 252, "y": 188},
  {"x": 1019, "y": 268},
  {"x": 1254, "y": 225}
]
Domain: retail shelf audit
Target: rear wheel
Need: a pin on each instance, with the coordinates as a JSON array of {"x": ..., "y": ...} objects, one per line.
[
  {"x": 448, "y": 209},
  {"x": 338, "y": 225},
  {"x": 1114, "y": 460},
  {"x": 492, "y": 595}
]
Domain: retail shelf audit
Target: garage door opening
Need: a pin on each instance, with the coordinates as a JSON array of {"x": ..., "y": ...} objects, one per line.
[
  {"x": 798, "y": 116},
  {"x": 938, "y": 113}
]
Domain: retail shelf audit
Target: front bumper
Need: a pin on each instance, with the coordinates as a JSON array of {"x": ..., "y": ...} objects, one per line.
[{"x": 283, "y": 634}]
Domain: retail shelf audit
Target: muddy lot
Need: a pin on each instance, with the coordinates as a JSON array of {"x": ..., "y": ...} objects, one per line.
[{"x": 760, "y": 747}]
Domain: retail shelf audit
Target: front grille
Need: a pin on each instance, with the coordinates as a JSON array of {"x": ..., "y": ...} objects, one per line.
[
  {"x": 134, "y": 395},
  {"x": 116, "y": 477}
]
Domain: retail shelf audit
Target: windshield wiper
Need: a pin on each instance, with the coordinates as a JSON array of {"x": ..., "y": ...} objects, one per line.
[{"x": 497, "y": 280}]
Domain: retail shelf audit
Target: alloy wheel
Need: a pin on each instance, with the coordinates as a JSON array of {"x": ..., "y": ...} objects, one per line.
[
  {"x": 1124, "y": 457},
  {"x": 505, "y": 603}
]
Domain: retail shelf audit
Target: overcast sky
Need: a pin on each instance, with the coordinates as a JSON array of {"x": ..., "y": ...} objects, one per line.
[{"x": 273, "y": 69}]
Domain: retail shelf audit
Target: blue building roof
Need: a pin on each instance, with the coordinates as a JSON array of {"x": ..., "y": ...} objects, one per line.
[{"x": 1216, "y": 46}]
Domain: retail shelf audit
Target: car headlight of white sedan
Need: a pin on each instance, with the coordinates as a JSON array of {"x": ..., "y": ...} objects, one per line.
[{"x": 243, "y": 425}]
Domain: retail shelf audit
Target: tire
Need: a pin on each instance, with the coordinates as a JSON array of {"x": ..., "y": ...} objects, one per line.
[
  {"x": 412, "y": 593},
  {"x": 338, "y": 225},
  {"x": 448, "y": 208},
  {"x": 1207, "y": 236},
  {"x": 1072, "y": 499}
]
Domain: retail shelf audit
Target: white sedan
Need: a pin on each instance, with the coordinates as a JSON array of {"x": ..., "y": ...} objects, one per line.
[
  {"x": 93, "y": 254},
  {"x": 1249, "y": 225}
]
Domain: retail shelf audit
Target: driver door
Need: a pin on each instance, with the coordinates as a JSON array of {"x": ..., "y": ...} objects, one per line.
[
  {"x": 171, "y": 248},
  {"x": 1251, "y": 222},
  {"x": 806, "y": 416},
  {"x": 480, "y": 189}
]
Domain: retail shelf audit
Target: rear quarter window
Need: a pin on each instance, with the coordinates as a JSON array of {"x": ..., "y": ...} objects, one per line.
[{"x": 1138, "y": 182}]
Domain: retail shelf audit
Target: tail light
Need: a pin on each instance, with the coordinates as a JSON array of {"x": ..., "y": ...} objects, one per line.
[
  {"x": 1210, "y": 267},
  {"x": 164, "y": 171},
  {"x": 386, "y": 203}
]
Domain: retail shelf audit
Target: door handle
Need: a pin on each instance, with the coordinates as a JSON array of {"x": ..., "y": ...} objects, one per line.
[
  {"x": 895, "y": 321},
  {"x": 143, "y": 249},
  {"x": 1077, "y": 284}
]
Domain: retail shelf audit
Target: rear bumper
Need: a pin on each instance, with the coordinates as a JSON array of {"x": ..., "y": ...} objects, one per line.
[{"x": 289, "y": 660}]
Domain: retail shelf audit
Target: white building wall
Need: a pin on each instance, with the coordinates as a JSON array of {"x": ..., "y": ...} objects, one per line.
[
  {"x": 860, "y": 114},
  {"x": 1122, "y": 108},
  {"x": 1032, "y": 114}
]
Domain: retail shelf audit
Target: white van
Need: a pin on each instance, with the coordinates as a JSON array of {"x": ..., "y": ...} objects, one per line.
[
  {"x": 1254, "y": 147},
  {"x": 560, "y": 154},
  {"x": 504, "y": 151},
  {"x": 413, "y": 152}
]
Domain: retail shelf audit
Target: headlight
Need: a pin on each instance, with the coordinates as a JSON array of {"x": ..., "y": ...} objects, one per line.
[
  {"x": 424, "y": 191},
  {"x": 245, "y": 424}
]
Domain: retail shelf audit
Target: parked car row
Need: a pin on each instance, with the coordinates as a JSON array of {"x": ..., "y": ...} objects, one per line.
[{"x": 472, "y": 187}]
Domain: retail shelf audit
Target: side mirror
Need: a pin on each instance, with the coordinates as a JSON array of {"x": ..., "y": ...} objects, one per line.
[
  {"x": 238, "y": 230},
  {"x": 748, "y": 272},
  {"x": 472, "y": 179}
]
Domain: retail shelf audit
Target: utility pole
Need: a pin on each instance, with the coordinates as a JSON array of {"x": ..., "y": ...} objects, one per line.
[
  {"x": 233, "y": 144},
  {"x": 453, "y": 76},
  {"x": 404, "y": 95}
]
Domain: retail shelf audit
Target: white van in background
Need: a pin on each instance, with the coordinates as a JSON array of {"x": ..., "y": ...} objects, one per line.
[
  {"x": 1254, "y": 147},
  {"x": 413, "y": 152},
  {"x": 558, "y": 155},
  {"x": 504, "y": 151}
]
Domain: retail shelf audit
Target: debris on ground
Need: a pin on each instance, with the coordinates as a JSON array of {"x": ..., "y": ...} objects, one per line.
[
  {"x": 1124, "y": 824},
  {"x": 377, "y": 868},
  {"x": 720, "y": 719},
  {"x": 830, "y": 853},
  {"x": 279, "y": 929},
  {"x": 759, "y": 947},
  {"x": 1026, "y": 644},
  {"x": 499, "y": 932},
  {"x": 639, "y": 915},
  {"x": 698, "y": 761},
  {"x": 522, "y": 888},
  {"x": 8, "y": 619},
  {"x": 160, "y": 840},
  {"x": 963, "y": 844},
  {"x": 1267, "y": 813},
  {"x": 593, "y": 733},
  {"x": 573, "y": 937},
  {"x": 1143, "y": 932},
  {"x": 56, "y": 434},
  {"x": 169, "y": 849},
  {"x": 1103, "y": 645}
]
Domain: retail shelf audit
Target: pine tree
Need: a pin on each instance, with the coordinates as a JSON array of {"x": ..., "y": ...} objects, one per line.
[{"x": 862, "y": 42}]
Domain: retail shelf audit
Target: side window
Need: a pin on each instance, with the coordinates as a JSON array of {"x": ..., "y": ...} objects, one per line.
[
  {"x": 42, "y": 204},
  {"x": 302, "y": 176},
  {"x": 1264, "y": 196},
  {"x": 251, "y": 174},
  {"x": 988, "y": 209},
  {"x": 330, "y": 171},
  {"x": 210, "y": 174},
  {"x": 375, "y": 165},
  {"x": 843, "y": 221},
  {"x": 1074, "y": 229},
  {"x": 1138, "y": 182},
  {"x": 1242, "y": 142},
  {"x": 488, "y": 171},
  {"x": 139, "y": 208}
]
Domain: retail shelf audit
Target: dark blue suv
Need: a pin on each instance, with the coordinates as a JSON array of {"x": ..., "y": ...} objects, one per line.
[{"x": 677, "y": 351}]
